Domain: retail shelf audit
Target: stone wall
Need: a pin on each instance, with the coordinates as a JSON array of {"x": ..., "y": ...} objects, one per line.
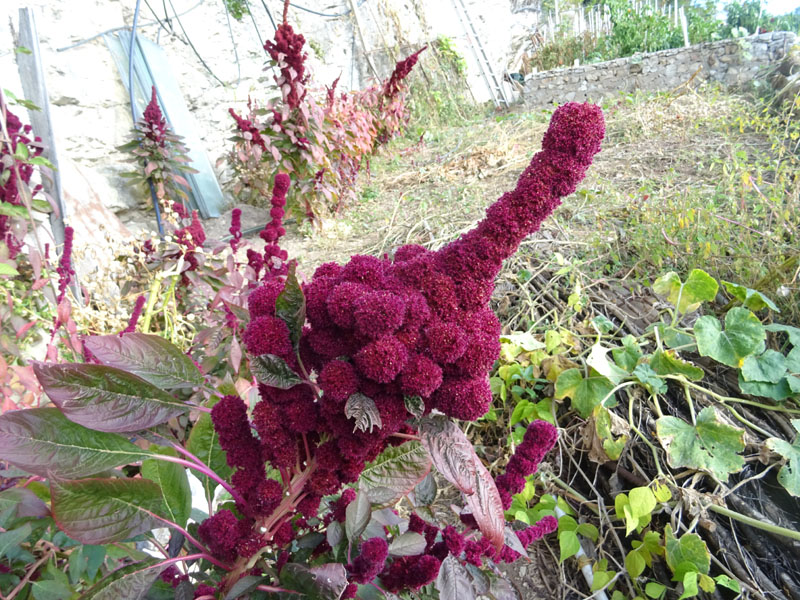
[{"x": 729, "y": 62}]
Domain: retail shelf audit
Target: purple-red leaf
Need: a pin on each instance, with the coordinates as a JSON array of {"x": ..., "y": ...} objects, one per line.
[
  {"x": 103, "y": 511},
  {"x": 106, "y": 398},
  {"x": 151, "y": 357},
  {"x": 453, "y": 581},
  {"x": 395, "y": 472},
  {"x": 451, "y": 452},
  {"x": 27, "y": 503},
  {"x": 455, "y": 458}
]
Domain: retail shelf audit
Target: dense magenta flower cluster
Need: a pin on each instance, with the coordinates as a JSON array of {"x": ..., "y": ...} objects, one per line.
[
  {"x": 401, "y": 70},
  {"x": 65, "y": 270},
  {"x": 9, "y": 169},
  {"x": 248, "y": 129},
  {"x": 236, "y": 229},
  {"x": 539, "y": 439},
  {"x": 377, "y": 331},
  {"x": 287, "y": 51},
  {"x": 273, "y": 260},
  {"x": 153, "y": 118}
]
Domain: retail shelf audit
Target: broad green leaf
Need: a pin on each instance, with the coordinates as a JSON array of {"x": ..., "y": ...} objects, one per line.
[
  {"x": 655, "y": 590},
  {"x": 243, "y": 587},
  {"x": 7, "y": 269},
  {"x": 568, "y": 545},
  {"x": 13, "y": 210},
  {"x": 645, "y": 374},
  {"x": 789, "y": 475},
  {"x": 290, "y": 306},
  {"x": 43, "y": 440},
  {"x": 13, "y": 538},
  {"x": 203, "y": 442},
  {"x": 106, "y": 398},
  {"x": 667, "y": 363},
  {"x": 742, "y": 336},
  {"x": 585, "y": 393},
  {"x": 687, "y": 297},
  {"x": 769, "y": 367},
  {"x": 129, "y": 583},
  {"x": 751, "y": 299},
  {"x": 711, "y": 445},
  {"x": 357, "y": 516},
  {"x": 174, "y": 484},
  {"x": 689, "y": 585},
  {"x": 273, "y": 371},
  {"x": 102, "y": 511},
  {"x": 628, "y": 356},
  {"x": 777, "y": 391},
  {"x": 151, "y": 357},
  {"x": 395, "y": 472},
  {"x": 50, "y": 589},
  {"x": 634, "y": 563},
  {"x": 685, "y": 554},
  {"x": 321, "y": 582},
  {"x": 792, "y": 332},
  {"x": 642, "y": 501}
]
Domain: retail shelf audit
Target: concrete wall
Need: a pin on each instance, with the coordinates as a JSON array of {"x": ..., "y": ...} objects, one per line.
[
  {"x": 90, "y": 105},
  {"x": 730, "y": 62}
]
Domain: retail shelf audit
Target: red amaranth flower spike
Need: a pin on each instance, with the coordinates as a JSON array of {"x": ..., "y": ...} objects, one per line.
[
  {"x": 65, "y": 270},
  {"x": 137, "y": 312},
  {"x": 401, "y": 70},
  {"x": 287, "y": 51}
]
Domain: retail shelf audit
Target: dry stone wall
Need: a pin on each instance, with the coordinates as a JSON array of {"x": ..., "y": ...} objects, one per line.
[{"x": 729, "y": 62}]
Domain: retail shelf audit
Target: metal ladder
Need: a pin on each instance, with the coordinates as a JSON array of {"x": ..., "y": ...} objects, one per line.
[{"x": 494, "y": 85}]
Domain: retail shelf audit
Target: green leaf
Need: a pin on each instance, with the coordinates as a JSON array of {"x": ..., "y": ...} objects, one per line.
[
  {"x": 204, "y": 444},
  {"x": 13, "y": 538},
  {"x": 769, "y": 367},
  {"x": 395, "y": 472},
  {"x": 634, "y": 563},
  {"x": 689, "y": 585},
  {"x": 628, "y": 356},
  {"x": 151, "y": 357},
  {"x": 792, "y": 332},
  {"x": 273, "y": 371},
  {"x": 727, "y": 582},
  {"x": 524, "y": 340},
  {"x": 357, "y": 516},
  {"x": 13, "y": 210},
  {"x": 102, "y": 511},
  {"x": 585, "y": 393},
  {"x": 710, "y": 445},
  {"x": 174, "y": 484},
  {"x": 415, "y": 405},
  {"x": 742, "y": 336},
  {"x": 777, "y": 391},
  {"x": 7, "y": 270},
  {"x": 752, "y": 299},
  {"x": 655, "y": 590},
  {"x": 290, "y": 306},
  {"x": 689, "y": 553},
  {"x": 687, "y": 297},
  {"x": 42, "y": 440},
  {"x": 645, "y": 374},
  {"x": 131, "y": 582},
  {"x": 21, "y": 151},
  {"x": 106, "y": 398},
  {"x": 789, "y": 475},
  {"x": 50, "y": 589},
  {"x": 42, "y": 206},
  {"x": 568, "y": 545}
]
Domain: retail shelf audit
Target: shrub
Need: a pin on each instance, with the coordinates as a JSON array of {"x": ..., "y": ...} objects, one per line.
[{"x": 350, "y": 367}]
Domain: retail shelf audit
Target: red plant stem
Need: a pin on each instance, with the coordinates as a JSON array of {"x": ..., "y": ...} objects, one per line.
[
  {"x": 189, "y": 557},
  {"x": 205, "y": 471},
  {"x": 405, "y": 436},
  {"x": 269, "y": 588}
]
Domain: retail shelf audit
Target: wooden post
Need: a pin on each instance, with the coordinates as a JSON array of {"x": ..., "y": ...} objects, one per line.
[
  {"x": 33, "y": 85},
  {"x": 354, "y": 8}
]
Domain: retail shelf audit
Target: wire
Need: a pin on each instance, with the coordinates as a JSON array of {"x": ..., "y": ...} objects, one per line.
[
  {"x": 113, "y": 29},
  {"x": 133, "y": 107},
  {"x": 255, "y": 25},
  {"x": 269, "y": 14},
  {"x": 189, "y": 41},
  {"x": 233, "y": 43},
  {"x": 314, "y": 12}
]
